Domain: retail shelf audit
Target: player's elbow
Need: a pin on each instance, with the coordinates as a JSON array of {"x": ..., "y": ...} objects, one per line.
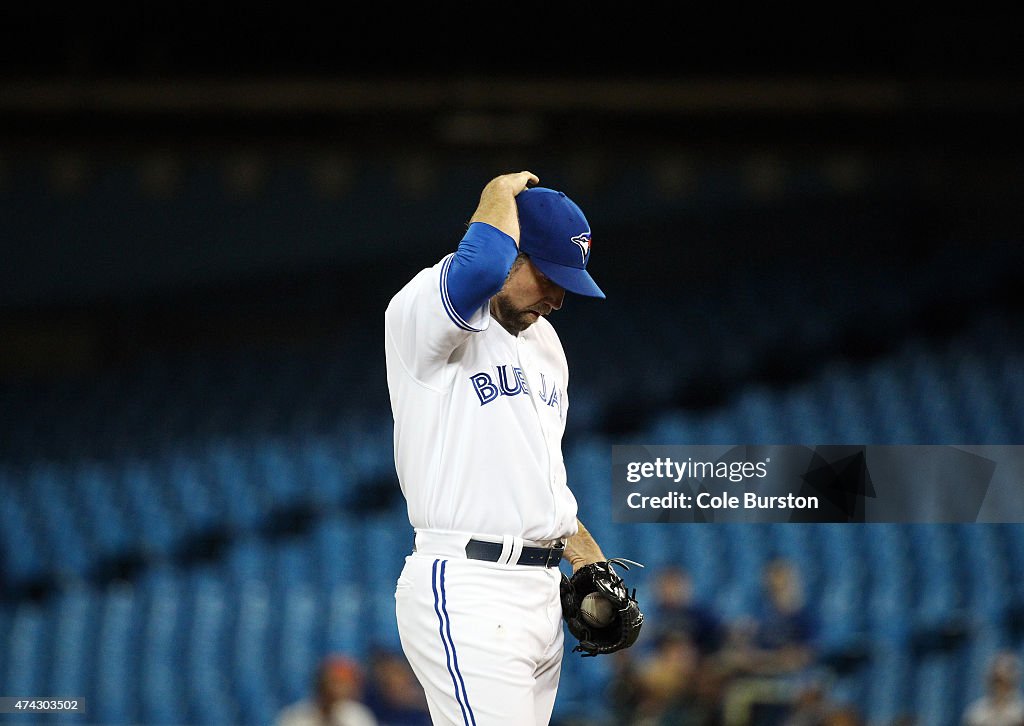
[
  {"x": 480, "y": 280},
  {"x": 473, "y": 278}
]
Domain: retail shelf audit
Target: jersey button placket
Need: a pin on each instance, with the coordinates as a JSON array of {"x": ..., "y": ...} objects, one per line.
[{"x": 553, "y": 449}]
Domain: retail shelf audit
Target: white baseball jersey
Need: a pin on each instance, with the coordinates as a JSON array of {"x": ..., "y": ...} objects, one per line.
[{"x": 479, "y": 417}]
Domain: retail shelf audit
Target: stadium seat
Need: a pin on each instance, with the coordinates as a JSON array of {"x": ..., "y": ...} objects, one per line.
[
  {"x": 208, "y": 695},
  {"x": 26, "y": 651},
  {"x": 299, "y": 646},
  {"x": 162, "y": 666},
  {"x": 250, "y": 658},
  {"x": 245, "y": 504},
  {"x": 326, "y": 472},
  {"x": 24, "y": 561},
  {"x": 116, "y": 658},
  {"x": 72, "y": 615}
]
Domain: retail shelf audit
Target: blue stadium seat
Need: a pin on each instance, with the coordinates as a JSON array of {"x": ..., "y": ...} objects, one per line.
[
  {"x": 335, "y": 542},
  {"x": 804, "y": 418},
  {"x": 1013, "y": 394},
  {"x": 96, "y": 483},
  {"x": 989, "y": 571},
  {"x": 889, "y": 590},
  {"x": 299, "y": 644},
  {"x": 197, "y": 505},
  {"x": 250, "y": 660},
  {"x": 72, "y": 615},
  {"x": 116, "y": 658},
  {"x": 938, "y": 571},
  {"x": 889, "y": 690},
  {"x": 346, "y": 630},
  {"x": 291, "y": 562},
  {"x": 980, "y": 407},
  {"x": 68, "y": 555},
  {"x": 327, "y": 472},
  {"x": 276, "y": 475},
  {"x": 162, "y": 667},
  {"x": 154, "y": 527},
  {"x": 842, "y": 601},
  {"x": 755, "y": 410},
  {"x": 936, "y": 701},
  {"x": 245, "y": 506},
  {"x": 208, "y": 694},
  {"x": 705, "y": 562},
  {"x": 19, "y": 540},
  {"x": 248, "y": 558},
  {"x": 6, "y": 619},
  {"x": 673, "y": 427},
  {"x": 26, "y": 652},
  {"x": 844, "y": 394},
  {"x": 893, "y": 421}
]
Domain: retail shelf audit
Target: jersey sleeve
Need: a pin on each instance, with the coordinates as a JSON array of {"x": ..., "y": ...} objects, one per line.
[{"x": 445, "y": 304}]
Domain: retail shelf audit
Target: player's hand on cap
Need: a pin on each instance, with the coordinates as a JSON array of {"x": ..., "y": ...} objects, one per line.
[
  {"x": 516, "y": 181},
  {"x": 498, "y": 204}
]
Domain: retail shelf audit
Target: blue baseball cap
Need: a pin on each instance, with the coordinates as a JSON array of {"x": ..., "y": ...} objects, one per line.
[{"x": 556, "y": 236}]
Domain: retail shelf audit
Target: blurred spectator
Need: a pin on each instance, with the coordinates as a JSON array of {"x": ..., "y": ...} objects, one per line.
[
  {"x": 675, "y": 609},
  {"x": 766, "y": 656},
  {"x": 337, "y": 689},
  {"x": 1002, "y": 704},
  {"x": 624, "y": 686},
  {"x": 393, "y": 693},
  {"x": 846, "y": 716},
  {"x": 671, "y": 688},
  {"x": 812, "y": 705}
]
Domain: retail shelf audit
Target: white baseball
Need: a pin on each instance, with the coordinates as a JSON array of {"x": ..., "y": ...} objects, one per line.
[{"x": 597, "y": 610}]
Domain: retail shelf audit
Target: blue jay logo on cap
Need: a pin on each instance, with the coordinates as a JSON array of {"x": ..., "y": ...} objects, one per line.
[{"x": 583, "y": 242}]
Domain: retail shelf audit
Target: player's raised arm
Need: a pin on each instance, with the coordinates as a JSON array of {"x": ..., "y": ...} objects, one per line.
[
  {"x": 444, "y": 305},
  {"x": 489, "y": 247}
]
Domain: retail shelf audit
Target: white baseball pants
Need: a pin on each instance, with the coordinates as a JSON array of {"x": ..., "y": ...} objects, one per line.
[{"x": 484, "y": 639}]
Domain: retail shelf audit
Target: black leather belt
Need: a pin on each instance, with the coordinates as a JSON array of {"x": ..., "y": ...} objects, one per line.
[{"x": 491, "y": 552}]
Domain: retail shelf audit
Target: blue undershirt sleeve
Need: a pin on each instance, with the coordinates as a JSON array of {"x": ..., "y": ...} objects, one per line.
[{"x": 477, "y": 271}]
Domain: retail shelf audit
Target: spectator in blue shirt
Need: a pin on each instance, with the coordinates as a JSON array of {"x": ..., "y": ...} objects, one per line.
[
  {"x": 767, "y": 656},
  {"x": 677, "y": 612}
]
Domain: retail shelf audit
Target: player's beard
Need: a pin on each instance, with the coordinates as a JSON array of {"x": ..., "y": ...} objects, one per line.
[{"x": 514, "y": 320}]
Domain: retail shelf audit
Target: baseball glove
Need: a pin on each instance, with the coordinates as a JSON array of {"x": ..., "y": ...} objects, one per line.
[{"x": 600, "y": 577}]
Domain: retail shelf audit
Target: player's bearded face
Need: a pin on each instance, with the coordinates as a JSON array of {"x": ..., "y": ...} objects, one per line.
[{"x": 526, "y": 295}]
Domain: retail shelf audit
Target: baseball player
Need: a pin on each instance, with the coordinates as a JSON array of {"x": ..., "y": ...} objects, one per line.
[{"x": 478, "y": 383}]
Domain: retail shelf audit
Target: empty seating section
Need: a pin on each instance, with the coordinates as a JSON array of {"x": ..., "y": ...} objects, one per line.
[{"x": 183, "y": 539}]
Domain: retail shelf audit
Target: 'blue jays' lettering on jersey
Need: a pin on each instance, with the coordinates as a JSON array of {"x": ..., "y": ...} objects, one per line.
[{"x": 489, "y": 390}]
